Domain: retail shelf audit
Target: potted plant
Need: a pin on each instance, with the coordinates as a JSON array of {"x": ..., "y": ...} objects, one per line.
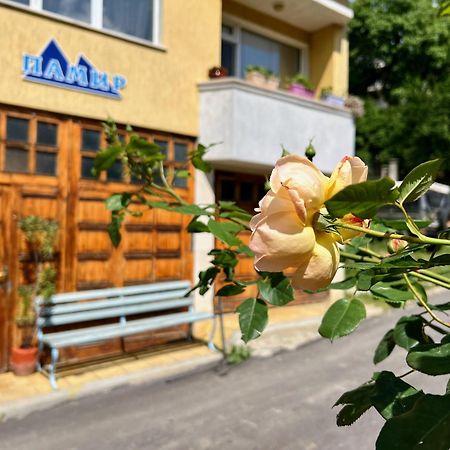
[
  {"x": 326, "y": 94},
  {"x": 300, "y": 85},
  {"x": 40, "y": 238},
  {"x": 217, "y": 72},
  {"x": 256, "y": 75},
  {"x": 272, "y": 80}
]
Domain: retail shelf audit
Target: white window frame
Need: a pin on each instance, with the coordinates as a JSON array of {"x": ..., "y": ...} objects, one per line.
[
  {"x": 96, "y": 22},
  {"x": 238, "y": 25}
]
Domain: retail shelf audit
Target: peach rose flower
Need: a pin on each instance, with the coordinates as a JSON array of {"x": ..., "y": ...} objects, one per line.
[{"x": 284, "y": 232}]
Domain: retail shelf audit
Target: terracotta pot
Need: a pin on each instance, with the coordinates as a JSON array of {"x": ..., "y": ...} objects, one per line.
[
  {"x": 256, "y": 78},
  {"x": 23, "y": 361},
  {"x": 299, "y": 89},
  {"x": 272, "y": 83}
]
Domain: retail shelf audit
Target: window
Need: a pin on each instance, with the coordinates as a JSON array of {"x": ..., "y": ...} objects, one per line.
[
  {"x": 241, "y": 48},
  {"x": 31, "y": 146},
  {"x": 137, "y": 18},
  {"x": 90, "y": 144}
]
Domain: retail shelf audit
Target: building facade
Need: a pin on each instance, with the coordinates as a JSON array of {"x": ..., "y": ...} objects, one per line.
[{"x": 69, "y": 65}]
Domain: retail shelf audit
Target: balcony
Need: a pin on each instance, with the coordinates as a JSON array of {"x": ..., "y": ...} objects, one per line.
[
  {"x": 252, "y": 124},
  {"x": 309, "y": 15}
]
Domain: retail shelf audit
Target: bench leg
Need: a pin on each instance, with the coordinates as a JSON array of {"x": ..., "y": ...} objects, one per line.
[
  {"x": 40, "y": 349},
  {"x": 52, "y": 369},
  {"x": 211, "y": 345}
]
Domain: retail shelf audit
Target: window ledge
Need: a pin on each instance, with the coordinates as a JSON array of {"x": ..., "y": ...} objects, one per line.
[{"x": 78, "y": 24}]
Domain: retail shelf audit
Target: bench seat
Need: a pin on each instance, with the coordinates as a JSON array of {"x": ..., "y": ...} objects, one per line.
[{"x": 84, "y": 309}]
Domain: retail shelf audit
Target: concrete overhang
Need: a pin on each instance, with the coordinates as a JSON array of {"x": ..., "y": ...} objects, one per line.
[{"x": 309, "y": 15}]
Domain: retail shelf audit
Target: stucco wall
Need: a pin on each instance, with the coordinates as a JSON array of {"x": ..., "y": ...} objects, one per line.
[{"x": 161, "y": 91}]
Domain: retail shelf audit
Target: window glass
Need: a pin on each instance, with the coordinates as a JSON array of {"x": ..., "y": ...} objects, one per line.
[
  {"x": 228, "y": 57},
  {"x": 22, "y": 2},
  {"x": 46, "y": 134},
  {"x": 164, "y": 147},
  {"x": 227, "y": 190},
  {"x": 46, "y": 163},
  {"x": 180, "y": 153},
  {"x": 134, "y": 17},
  {"x": 90, "y": 140},
  {"x": 86, "y": 167},
  {"x": 17, "y": 129},
  {"x": 115, "y": 172},
  {"x": 281, "y": 59},
  {"x": 16, "y": 160},
  {"x": 246, "y": 193},
  {"x": 180, "y": 182},
  {"x": 75, "y": 9}
]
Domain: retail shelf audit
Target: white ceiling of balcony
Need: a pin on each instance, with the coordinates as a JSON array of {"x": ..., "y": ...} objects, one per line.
[{"x": 310, "y": 15}]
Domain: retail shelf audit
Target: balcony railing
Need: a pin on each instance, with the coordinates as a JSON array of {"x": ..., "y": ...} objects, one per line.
[{"x": 253, "y": 124}]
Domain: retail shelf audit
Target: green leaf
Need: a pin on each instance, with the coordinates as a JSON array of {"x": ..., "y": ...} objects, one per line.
[
  {"x": 225, "y": 232},
  {"x": 392, "y": 396},
  {"x": 385, "y": 290},
  {"x": 197, "y": 160},
  {"x": 346, "y": 284},
  {"x": 194, "y": 210},
  {"x": 363, "y": 199},
  {"x": 276, "y": 289},
  {"x": 408, "y": 332},
  {"x": 432, "y": 359},
  {"x": 426, "y": 426},
  {"x": 253, "y": 318},
  {"x": 114, "y": 228},
  {"x": 105, "y": 159},
  {"x": 196, "y": 226},
  {"x": 230, "y": 289},
  {"x": 385, "y": 347},
  {"x": 205, "y": 280},
  {"x": 342, "y": 318},
  {"x": 441, "y": 260},
  {"x": 400, "y": 225},
  {"x": 365, "y": 280},
  {"x": 116, "y": 202},
  {"x": 357, "y": 402},
  {"x": 441, "y": 307},
  {"x": 418, "y": 181}
]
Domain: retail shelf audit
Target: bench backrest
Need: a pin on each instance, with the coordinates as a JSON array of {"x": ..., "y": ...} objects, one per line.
[{"x": 78, "y": 307}]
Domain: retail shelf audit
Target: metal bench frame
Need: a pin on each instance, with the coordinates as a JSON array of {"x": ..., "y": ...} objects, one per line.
[{"x": 86, "y": 306}]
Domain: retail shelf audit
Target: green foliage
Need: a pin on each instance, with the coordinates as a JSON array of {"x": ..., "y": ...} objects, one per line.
[
  {"x": 197, "y": 160},
  {"x": 238, "y": 354},
  {"x": 275, "y": 288},
  {"x": 342, "y": 318},
  {"x": 299, "y": 78},
  {"x": 425, "y": 426},
  {"x": 363, "y": 199},
  {"x": 408, "y": 332},
  {"x": 432, "y": 359},
  {"x": 385, "y": 347},
  {"x": 252, "y": 318}
]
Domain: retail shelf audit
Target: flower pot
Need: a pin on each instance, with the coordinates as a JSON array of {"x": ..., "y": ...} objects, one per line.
[
  {"x": 272, "y": 83},
  {"x": 23, "y": 361},
  {"x": 299, "y": 89},
  {"x": 334, "y": 100},
  {"x": 256, "y": 78}
]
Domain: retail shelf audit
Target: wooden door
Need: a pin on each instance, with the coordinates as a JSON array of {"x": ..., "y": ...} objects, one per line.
[{"x": 5, "y": 298}]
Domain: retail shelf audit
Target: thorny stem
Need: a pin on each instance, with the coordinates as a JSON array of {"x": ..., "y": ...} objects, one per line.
[
  {"x": 420, "y": 275},
  {"x": 406, "y": 373},
  {"x": 387, "y": 235},
  {"x": 423, "y": 302},
  {"x": 167, "y": 186}
]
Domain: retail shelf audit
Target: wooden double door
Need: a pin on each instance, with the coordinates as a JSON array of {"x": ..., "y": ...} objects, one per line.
[{"x": 45, "y": 163}]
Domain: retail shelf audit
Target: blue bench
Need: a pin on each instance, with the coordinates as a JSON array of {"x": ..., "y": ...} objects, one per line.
[{"x": 85, "y": 307}]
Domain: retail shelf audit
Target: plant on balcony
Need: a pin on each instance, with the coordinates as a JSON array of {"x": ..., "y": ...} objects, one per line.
[
  {"x": 256, "y": 75},
  {"x": 40, "y": 238},
  {"x": 272, "y": 80},
  {"x": 326, "y": 95},
  {"x": 300, "y": 85}
]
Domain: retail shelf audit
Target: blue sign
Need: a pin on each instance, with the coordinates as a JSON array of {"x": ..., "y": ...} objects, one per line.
[{"x": 53, "y": 68}]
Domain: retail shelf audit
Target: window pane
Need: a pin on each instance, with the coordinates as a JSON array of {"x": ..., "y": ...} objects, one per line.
[
  {"x": 17, "y": 129},
  {"x": 46, "y": 163},
  {"x": 46, "y": 134},
  {"x": 227, "y": 190},
  {"x": 86, "y": 166},
  {"x": 246, "y": 193},
  {"x": 115, "y": 172},
  {"x": 164, "y": 147},
  {"x": 228, "y": 57},
  {"x": 180, "y": 182},
  {"x": 23, "y": 2},
  {"x": 281, "y": 59},
  {"x": 75, "y": 9},
  {"x": 90, "y": 140},
  {"x": 180, "y": 152},
  {"x": 16, "y": 160},
  {"x": 134, "y": 17}
]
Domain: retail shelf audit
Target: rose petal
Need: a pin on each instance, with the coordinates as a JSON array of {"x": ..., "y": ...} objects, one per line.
[
  {"x": 350, "y": 170},
  {"x": 319, "y": 271}
]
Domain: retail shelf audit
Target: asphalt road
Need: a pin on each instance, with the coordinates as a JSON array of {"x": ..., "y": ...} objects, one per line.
[{"x": 282, "y": 402}]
